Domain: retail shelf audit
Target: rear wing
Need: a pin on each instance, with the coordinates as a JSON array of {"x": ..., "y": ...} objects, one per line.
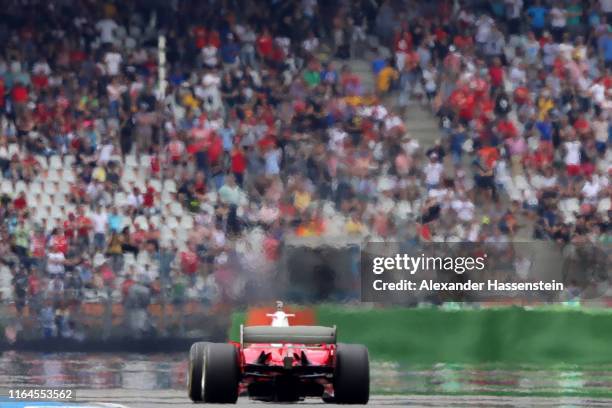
[{"x": 283, "y": 335}]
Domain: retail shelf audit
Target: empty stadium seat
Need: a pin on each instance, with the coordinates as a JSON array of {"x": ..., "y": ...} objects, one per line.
[
  {"x": 55, "y": 162},
  {"x": 170, "y": 186},
  {"x": 7, "y": 187},
  {"x": 130, "y": 161},
  {"x": 69, "y": 161},
  {"x": 604, "y": 205}
]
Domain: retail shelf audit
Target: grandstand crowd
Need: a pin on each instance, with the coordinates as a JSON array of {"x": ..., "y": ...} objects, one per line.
[{"x": 265, "y": 133}]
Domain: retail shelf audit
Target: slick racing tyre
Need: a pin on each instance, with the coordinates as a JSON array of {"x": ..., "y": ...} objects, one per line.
[
  {"x": 213, "y": 373},
  {"x": 352, "y": 374},
  {"x": 196, "y": 369}
]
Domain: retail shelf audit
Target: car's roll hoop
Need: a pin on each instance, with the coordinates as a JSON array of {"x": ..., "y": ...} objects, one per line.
[{"x": 290, "y": 334}]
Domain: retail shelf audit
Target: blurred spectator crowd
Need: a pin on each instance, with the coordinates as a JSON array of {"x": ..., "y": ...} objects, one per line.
[
  {"x": 523, "y": 93},
  {"x": 265, "y": 133}
]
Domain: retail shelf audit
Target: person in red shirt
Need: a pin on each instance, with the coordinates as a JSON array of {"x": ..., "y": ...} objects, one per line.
[
  {"x": 214, "y": 39},
  {"x": 59, "y": 242},
  {"x": 199, "y": 184},
  {"x": 506, "y": 128},
  {"x": 148, "y": 198},
  {"x": 38, "y": 245},
  {"x": 239, "y": 164},
  {"x": 265, "y": 46},
  {"x": 40, "y": 81},
  {"x": 176, "y": 148},
  {"x": 199, "y": 34},
  {"x": 77, "y": 56},
  {"x": 83, "y": 227},
  {"x": 155, "y": 165},
  {"x": 20, "y": 94},
  {"x": 20, "y": 203},
  {"x": 138, "y": 236},
  {"x": 215, "y": 149},
  {"x": 467, "y": 108},
  {"x": 108, "y": 276},
  {"x": 190, "y": 263},
  {"x": 34, "y": 285},
  {"x": 521, "y": 95},
  {"x": 403, "y": 40},
  {"x": 463, "y": 40},
  {"x": 582, "y": 125},
  {"x": 496, "y": 74},
  {"x": 126, "y": 285},
  {"x": 69, "y": 227}
]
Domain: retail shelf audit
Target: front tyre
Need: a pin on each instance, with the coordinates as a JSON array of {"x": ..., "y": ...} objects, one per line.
[{"x": 352, "y": 374}]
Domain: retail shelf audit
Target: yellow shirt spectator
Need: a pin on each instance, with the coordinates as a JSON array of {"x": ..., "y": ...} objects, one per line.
[
  {"x": 544, "y": 106},
  {"x": 99, "y": 174},
  {"x": 301, "y": 200},
  {"x": 190, "y": 101},
  {"x": 385, "y": 76},
  {"x": 353, "y": 227}
]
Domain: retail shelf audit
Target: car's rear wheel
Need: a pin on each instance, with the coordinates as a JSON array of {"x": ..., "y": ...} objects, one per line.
[
  {"x": 221, "y": 374},
  {"x": 214, "y": 373},
  {"x": 196, "y": 370},
  {"x": 352, "y": 374}
]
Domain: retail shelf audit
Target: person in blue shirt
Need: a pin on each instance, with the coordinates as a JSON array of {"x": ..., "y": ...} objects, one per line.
[
  {"x": 378, "y": 64},
  {"x": 329, "y": 75},
  {"x": 545, "y": 128},
  {"x": 537, "y": 15},
  {"x": 229, "y": 51},
  {"x": 457, "y": 139},
  {"x": 605, "y": 47},
  {"x": 227, "y": 134},
  {"x": 115, "y": 221}
]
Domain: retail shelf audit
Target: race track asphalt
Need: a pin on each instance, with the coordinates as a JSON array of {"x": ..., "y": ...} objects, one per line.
[{"x": 120, "y": 398}]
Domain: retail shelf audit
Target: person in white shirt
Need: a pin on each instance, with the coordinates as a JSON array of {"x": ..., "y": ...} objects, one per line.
[
  {"x": 463, "y": 207},
  {"x": 113, "y": 61},
  {"x": 105, "y": 151},
  {"x": 107, "y": 29},
  {"x": 572, "y": 156},
  {"x": 558, "y": 19},
  {"x": 550, "y": 50},
  {"x": 590, "y": 189},
  {"x": 247, "y": 37},
  {"x": 513, "y": 13},
  {"x": 433, "y": 172},
  {"x": 311, "y": 44},
  {"x": 598, "y": 93},
  {"x": 429, "y": 77},
  {"x": 41, "y": 67},
  {"x": 209, "y": 92},
  {"x": 209, "y": 56},
  {"x": 566, "y": 48},
  {"x": 55, "y": 263},
  {"x": 100, "y": 221},
  {"x": 134, "y": 200},
  {"x": 484, "y": 24},
  {"x": 601, "y": 126}
]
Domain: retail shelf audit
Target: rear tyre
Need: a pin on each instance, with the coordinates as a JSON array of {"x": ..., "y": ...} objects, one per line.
[
  {"x": 352, "y": 374},
  {"x": 196, "y": 370},
  {"x": 221, "y": 374}
]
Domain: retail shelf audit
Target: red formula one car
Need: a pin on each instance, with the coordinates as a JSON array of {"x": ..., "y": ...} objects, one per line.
[{"x": 280, "y": 363}]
